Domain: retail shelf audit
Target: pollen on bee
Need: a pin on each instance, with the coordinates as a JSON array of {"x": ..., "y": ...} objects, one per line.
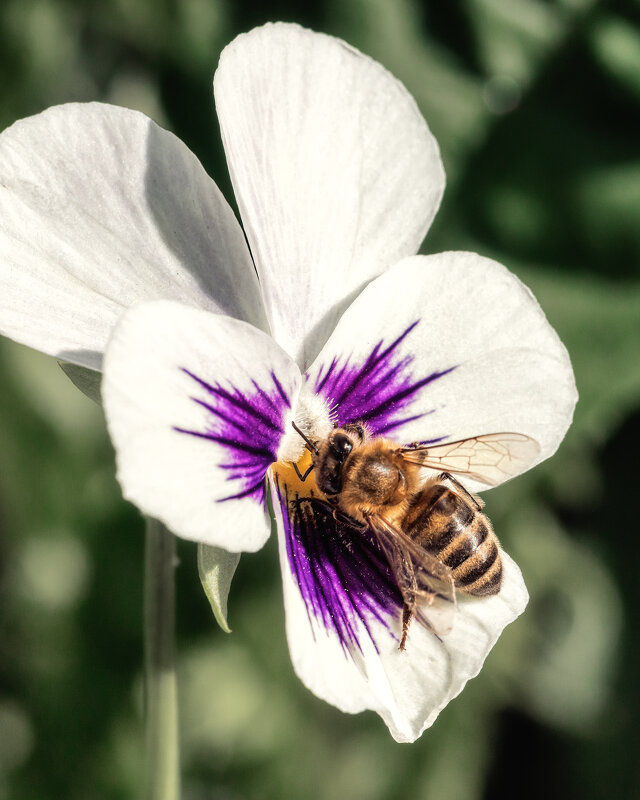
[{"x": 291, "y": 475}]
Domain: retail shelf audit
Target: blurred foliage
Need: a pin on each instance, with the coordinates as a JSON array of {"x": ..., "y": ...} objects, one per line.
[{"x": 535, "y": 106}]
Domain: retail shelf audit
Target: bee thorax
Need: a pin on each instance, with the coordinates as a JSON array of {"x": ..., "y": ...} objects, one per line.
[{"x": 376, "y": 480}]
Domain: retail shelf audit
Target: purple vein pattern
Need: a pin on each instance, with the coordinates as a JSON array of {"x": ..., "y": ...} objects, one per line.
[
  {"x": 343, "y": 576},
  {"x": 379, "y": 391},
  {"x": 249, "y": 425}
]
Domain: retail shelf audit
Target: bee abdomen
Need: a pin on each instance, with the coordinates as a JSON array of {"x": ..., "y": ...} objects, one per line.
[
  {"x": 481, "y": 573},
  {"x": 465, "y": 544},
  {"x": 459, "y": 536},
  {"x": 438, "y": 523}
]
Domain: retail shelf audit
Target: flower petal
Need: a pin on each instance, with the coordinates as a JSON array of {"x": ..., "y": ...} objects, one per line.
[
  {"x": 448, "y": 347},
  {"x": 197, "y": 405},
  {"x": 335, "y": 172},
  {"x": 344, "y": 626},
  {"x": 101, "y": 209}
]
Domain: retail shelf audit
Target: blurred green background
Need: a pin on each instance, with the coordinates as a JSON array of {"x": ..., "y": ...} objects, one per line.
[{"x": 535, "y": 104}]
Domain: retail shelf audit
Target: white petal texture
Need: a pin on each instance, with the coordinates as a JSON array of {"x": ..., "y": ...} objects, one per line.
[
  {"x": 335, "y": 171},
  {"x": 101, "y": 209},
  {"x": 448, "y": 347},
  {"x": 343, "y": 629},
  {"x": 196, "y": 405}
]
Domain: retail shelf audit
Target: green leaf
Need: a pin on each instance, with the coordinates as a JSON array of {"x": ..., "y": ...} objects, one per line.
[
  {"x": 87, "y": 380},
  {"x": 216, "y": 568}
]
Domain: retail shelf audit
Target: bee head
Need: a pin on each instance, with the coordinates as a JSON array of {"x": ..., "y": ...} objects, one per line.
[{"x": 333, "y": 454}]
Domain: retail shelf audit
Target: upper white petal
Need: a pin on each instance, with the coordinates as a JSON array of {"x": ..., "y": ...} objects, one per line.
[
  {"x": 497, "y": 366},
  {"x": 335, "y": 172},
  {"x": 101, "y": 209},
  {"x": 196, "y": 406}
]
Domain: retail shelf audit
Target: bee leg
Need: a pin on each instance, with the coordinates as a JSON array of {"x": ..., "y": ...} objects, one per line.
[
  {"x": 304, "y": 477},
  {"x": 445, "y": 476},
  {"x": 407, "y": 616},
  {"x": 340, "y": 516}
]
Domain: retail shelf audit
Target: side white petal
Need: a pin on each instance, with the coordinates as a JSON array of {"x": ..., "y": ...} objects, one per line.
[
  {"x": 196, "y": 406},
  {"x": 335, "y": 172},
  {"x": 448, "y": 347},
  {"x": 101, "y": 209},
  {"x": 407, "y": 689}
]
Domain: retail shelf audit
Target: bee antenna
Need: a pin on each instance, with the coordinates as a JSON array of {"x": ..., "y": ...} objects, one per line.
[{"x": 311, "y": 447}]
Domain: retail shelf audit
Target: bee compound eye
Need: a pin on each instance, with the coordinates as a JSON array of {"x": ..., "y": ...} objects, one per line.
[{"x": 341, "y": 446}]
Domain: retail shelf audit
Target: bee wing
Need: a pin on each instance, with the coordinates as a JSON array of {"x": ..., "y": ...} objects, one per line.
[
  {"x": 491, "y": 458},
  {"x": 425, "y": 582}
]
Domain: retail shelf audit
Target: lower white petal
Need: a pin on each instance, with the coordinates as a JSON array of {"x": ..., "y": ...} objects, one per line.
[
  {"x": 344, "y": 638},
  {"x": 430, "y": 673},
  {"x": 101, "y": 209},
  {"x": 197, "y": 405}
]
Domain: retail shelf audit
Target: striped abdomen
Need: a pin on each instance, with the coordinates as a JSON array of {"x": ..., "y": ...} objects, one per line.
[{"x": 449, "y": 527}]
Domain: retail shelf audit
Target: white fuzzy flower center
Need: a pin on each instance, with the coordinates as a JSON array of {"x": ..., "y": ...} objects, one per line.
[{"x": 311, "y": 414}]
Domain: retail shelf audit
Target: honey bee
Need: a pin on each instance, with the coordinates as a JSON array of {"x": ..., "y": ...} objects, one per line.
[{"x": 430, "y": 528}]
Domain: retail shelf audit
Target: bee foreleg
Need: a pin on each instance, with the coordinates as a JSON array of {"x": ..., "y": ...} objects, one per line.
[
  {"x": 304, "y": 477},
  {"x": 341, "y": 517}
]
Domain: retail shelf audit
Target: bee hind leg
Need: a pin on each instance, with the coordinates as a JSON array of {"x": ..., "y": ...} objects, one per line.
[
  {"x": 407, "y": 616},
  {"x": 446, "y": 476}
]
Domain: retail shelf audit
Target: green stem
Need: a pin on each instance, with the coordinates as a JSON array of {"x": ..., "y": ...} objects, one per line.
[{"x": 161, "y": 697}]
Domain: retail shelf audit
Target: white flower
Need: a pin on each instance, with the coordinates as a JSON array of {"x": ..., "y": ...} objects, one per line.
[{"x": 337, "y": 178}]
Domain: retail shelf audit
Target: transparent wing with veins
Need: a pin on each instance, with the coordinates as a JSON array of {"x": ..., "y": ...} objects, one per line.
[
  {"x": 426, "y": 584},
  {"x": 491, "y": 458}
]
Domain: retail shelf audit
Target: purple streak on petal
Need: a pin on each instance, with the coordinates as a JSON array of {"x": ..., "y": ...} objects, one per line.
[
  {"x": 249, "y": 425},
  {"x": 377, "y": 391},
  {"x": 424, "y": 442},
  {"x": 344, "y": 578}
]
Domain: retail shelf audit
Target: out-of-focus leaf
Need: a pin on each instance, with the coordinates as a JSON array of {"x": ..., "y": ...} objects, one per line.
[
  {"x": 599, "y": 322},
  {"x": 513, "y": 38},
  {"x": 227, "y": 697},
  {"x": 216, "y": 568},
  {"x": 574, "y": 622},
  {"x": 607, "y": 200},
  {"x": 616, "y": 45}
]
